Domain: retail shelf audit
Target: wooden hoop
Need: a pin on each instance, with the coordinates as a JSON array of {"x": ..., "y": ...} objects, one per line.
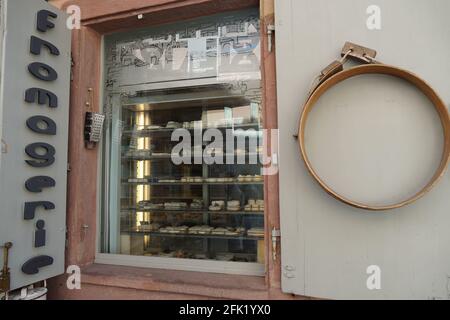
[{"x": 387, "y": 70}]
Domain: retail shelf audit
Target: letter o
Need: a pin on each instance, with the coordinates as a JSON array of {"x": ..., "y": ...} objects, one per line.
[{"x": 36, "y": 69}]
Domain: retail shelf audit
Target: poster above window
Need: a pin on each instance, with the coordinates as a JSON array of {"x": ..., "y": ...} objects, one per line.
[{"x": 226, "y": 48}]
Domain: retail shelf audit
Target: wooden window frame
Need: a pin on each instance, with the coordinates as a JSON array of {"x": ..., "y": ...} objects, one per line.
[{"x": 100, "y": 18}]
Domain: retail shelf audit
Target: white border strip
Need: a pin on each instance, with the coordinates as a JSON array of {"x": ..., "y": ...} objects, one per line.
[{"x": 236, "y": 268}]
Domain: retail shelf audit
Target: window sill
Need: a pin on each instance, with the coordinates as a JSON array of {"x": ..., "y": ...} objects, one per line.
[{"x": 217, "y": 286}]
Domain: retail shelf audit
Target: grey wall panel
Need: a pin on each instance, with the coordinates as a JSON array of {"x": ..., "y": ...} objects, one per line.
[
  {"x": 20, "y": 25},
  {"x": 1, "y": 70},
  {"x": 326, "y": 245}
]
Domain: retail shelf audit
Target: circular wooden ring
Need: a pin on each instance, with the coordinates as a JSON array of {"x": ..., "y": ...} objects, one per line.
[{"x": 386, "y": 70}]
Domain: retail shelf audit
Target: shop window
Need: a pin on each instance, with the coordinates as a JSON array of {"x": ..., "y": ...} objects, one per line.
[{"x": 182, "y": 177}]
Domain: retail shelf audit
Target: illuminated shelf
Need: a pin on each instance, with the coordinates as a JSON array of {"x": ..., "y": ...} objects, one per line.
[
  {"x": 191, "y": 183},
  {"x": 203, "y": 211},
  {"x": 163, "y": 131},
  {"x": 188, "y": 235},
  {"x": 193, "y": 157}
]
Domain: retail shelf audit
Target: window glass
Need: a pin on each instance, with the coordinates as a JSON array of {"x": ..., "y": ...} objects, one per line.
[{"x": 183, "y": 141}]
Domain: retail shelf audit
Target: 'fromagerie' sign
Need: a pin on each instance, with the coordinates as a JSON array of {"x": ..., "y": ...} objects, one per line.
[{"x": 33, "y": 169}]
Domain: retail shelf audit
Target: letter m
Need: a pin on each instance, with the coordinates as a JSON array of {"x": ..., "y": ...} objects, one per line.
[{"x": 43, "y": 97}]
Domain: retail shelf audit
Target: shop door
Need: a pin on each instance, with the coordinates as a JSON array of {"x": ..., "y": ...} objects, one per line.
[
  {"x": 329, "y": 249},
  {"x": 34, "y": 109}
]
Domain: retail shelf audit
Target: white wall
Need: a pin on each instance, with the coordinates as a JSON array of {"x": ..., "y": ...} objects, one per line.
[{"x": 327, "y": 245}]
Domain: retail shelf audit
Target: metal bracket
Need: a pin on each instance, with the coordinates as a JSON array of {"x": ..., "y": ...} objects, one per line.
[
  {"x": 329, "y": 71},
  {"x": 5, "y": 276},
  {"x": 90, "y": 102},
  {"x": 4, "y": 148},
  {"x": 270, "y": 32},
  {"x": 276, "y": 234},
  {"x": 359, "y": 52}
]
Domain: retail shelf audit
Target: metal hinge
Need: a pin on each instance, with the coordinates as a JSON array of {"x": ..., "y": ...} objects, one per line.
[
  {"x": 270, "y": 32},
  {"x": 363, "y": 54},
  {"x": 276, "y": 235}
]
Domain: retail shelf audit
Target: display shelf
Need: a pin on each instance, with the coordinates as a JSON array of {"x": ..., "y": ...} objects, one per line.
[
  {"x": 188, "y": 235},
  {"x": 184, "y": 211},
  {"x": 146, "y": 153},
  {"x": 196, "y": 100},
  {"x": 126, "y": 182},
  {"x": 163, "y": 131},
  {"x": 193, "y": 157},
  {"x": 173, "y": 197},
  {"x": 200, "y": 255}
]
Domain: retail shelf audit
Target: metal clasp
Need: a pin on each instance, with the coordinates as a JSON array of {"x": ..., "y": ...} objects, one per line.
[{"x": 358, "y": 52}]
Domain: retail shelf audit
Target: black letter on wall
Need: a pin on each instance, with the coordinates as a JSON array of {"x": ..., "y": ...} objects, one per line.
[
  {"x": 36, "y": 45},
  {"x": 50, "y": 125},
  {"x": 46, "y": 159},
  {"x": 33, "y": 265},
  {"x": 39, "y": 234},
  {"x": 42, "y": 20},
  {"x": 42, "y": 95},
  {"x": 37, "y": 68},
  {"x": 36, "y": 184},
  {"x": 30, "y": 208}
]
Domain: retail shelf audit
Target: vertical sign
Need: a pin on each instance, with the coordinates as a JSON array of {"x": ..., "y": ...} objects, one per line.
[
  {"x": 34, "y": 103},
  {"x": 2, "y": 145}
]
